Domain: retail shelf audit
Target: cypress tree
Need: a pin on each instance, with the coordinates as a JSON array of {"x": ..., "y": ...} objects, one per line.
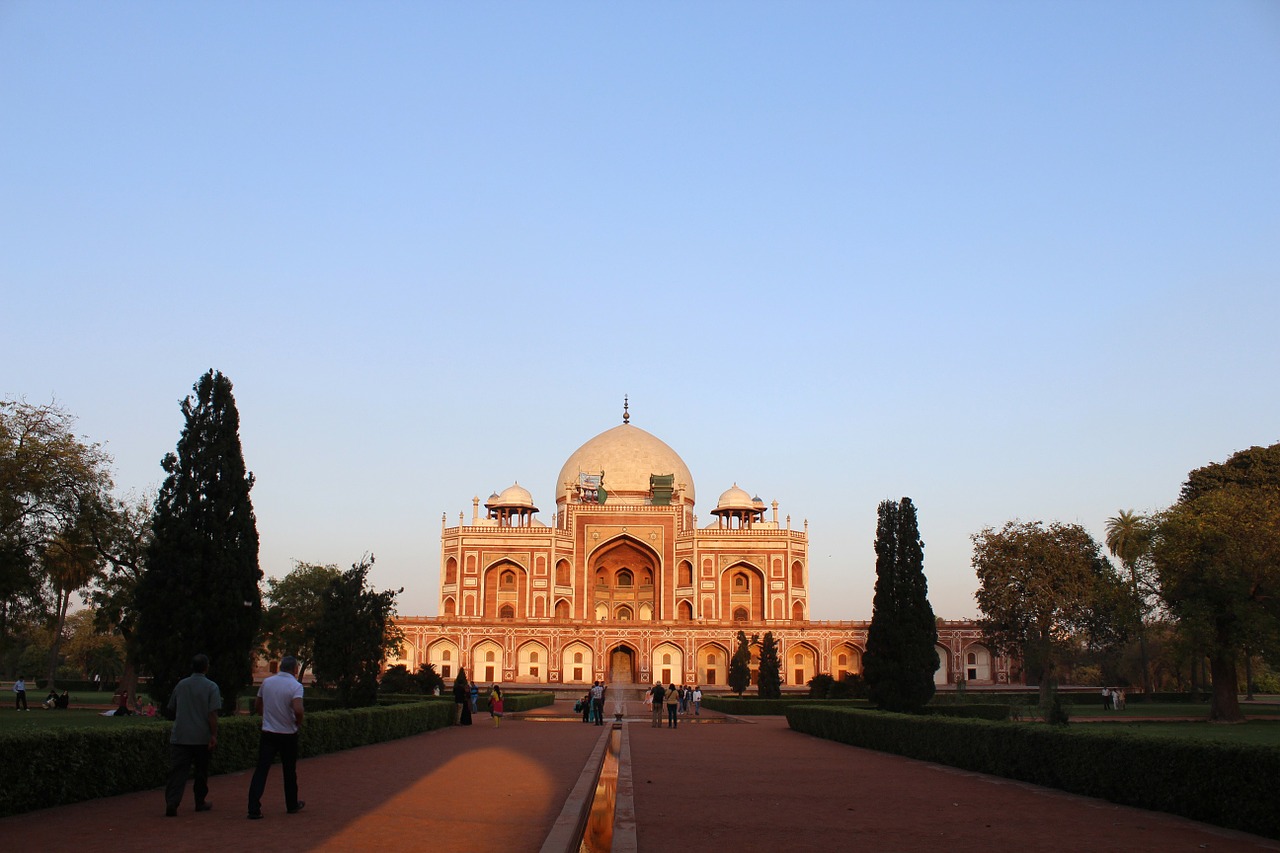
[
  {"x": 740, "y": 666},
  {"x": 900, "y": 659},
  {"x": 199, "y": 592},
  {"x": 770, "y": 684}
]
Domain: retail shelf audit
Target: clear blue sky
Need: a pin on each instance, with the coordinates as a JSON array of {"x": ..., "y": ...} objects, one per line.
[{"x": 1014, "y": 260}]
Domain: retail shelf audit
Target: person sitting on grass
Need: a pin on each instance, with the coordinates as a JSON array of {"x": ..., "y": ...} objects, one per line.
[{"x": 51, "y": 701}]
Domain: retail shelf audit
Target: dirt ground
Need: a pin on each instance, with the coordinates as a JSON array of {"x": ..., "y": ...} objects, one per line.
[{"x": 743, "y": 786}]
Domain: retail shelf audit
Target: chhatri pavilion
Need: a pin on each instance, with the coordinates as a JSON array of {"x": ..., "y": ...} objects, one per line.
[{"x": 624, "y": 585}]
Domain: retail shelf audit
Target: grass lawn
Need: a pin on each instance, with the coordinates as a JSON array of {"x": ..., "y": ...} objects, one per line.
[
  {"x": 1170, "y": 709},
  {"x": 38, "y": 719},
  {"x": 1253, "y": 733}
]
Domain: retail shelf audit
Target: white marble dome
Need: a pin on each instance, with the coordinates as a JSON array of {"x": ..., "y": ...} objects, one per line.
[
  {"x": 628, "y": 456},
  {"x": 512, "y": 496},
  {"x": 735, "y": 498}
]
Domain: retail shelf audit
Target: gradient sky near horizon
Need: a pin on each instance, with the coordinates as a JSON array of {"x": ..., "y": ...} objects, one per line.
[{"x": 1010, "y": 260}]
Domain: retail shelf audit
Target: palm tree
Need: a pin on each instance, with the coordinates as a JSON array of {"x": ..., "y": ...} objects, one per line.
[{"x": 1129, "y": 539}]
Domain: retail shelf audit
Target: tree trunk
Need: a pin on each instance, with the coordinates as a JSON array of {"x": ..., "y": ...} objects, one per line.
[
  {"x": 1226, "y": 702},
  {"x": 1146, "y": 667},
  {"x": 55, "y": 642}
]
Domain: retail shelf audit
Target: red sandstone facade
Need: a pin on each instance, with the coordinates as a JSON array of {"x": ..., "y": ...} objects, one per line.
[{"x": 625, "y": 587}]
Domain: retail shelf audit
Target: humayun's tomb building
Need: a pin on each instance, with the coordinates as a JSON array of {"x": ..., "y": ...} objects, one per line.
[{"x": 624, "y": 586}]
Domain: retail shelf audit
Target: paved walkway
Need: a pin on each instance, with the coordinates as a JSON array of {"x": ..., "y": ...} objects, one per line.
[{"x": 747, "y": 786}]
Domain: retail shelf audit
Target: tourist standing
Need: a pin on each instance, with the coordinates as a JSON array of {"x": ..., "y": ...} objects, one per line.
[
  {"x": 461, "y": 700},
  {"x": 656, "y": 695},
  {"x": 597, "y": 703},
  {"x": 280, "y": 704},
  {"x": 475, "y": 698},
  {"x": 194, "y": 703},
  {"x": 20, "y": 695},
  {"x": 673, "y": 706},
  {"x": 697, "y": 700},
  {"x": 495, "y": 705}
]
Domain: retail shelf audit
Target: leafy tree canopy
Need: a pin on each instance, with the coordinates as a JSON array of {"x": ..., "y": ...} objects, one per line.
[
  {"x": 294, "y": 606},
  {"x": 1044, "y": 592},
  {"x": 355, "y": 635},
  {"x": 1217, "y": 552},
  {"x": 1257, "y": 467},
  {"x": 49, "y": 478}
]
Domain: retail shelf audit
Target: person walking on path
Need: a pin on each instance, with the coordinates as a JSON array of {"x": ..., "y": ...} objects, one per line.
[
  {"x": 280, "y": 704},
  {"x": 673, "y": 706},
  {"x": 495, "y": 705},
  {"x": 597, "y": 703},
  {"x": 461, "y": 700},
  {"x": 656, "y": 694},
  {"x": 194, "y": 704},
  {"x": 20, "y": 695}
]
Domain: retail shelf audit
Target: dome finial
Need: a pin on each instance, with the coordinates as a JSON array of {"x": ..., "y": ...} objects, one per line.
[{"x": 626, "y": 415}]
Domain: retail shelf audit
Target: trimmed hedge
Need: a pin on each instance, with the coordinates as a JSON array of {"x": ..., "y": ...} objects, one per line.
[
  {"x": 749, "y": 707},
  {"x": 60, "y": 766},
  {"x": 1226, "y": 784},
  {"x": 975, "y": 711},
  {"x": 515, "y": 702}
]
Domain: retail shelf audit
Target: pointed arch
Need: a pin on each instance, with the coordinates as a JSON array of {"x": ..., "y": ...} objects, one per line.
[
  {"x": 532, "y": 663},
  {"x": 742, "y": 588},
  {"x": 577, "y": 665},
  {"x": 713, "y": 664},
  {"x": 799, "y": 664}
]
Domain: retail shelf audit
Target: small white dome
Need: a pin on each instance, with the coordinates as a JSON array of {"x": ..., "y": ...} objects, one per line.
[
  {"x": 735, "y": 498},
  {"x": 512, "y": 497}
]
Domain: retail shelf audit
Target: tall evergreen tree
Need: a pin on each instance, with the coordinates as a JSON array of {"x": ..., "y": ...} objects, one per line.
[
  {"x": 769, "y": 685},
  {"x": 740, "y": 666},
  {"x": 199, "y": 591},
  {"x": 901, "y": 659}
]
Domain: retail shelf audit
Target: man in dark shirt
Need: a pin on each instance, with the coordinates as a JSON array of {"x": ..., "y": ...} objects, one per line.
[{"x": 194, "y": 704}]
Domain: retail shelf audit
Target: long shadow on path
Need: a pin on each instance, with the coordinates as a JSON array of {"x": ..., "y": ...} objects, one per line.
[{"x": 460, "y": 789}]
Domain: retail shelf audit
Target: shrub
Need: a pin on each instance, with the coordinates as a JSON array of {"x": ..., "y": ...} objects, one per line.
[
  {"x": 90, "y": 766},
  {"x": 1202, "y": 780}
]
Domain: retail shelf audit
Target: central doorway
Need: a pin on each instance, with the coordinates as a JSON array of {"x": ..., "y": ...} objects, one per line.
[{"x": 622, "y": 666}]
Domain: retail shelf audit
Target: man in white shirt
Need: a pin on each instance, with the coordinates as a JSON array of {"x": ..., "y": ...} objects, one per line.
[{"x": 280, "y": 704}]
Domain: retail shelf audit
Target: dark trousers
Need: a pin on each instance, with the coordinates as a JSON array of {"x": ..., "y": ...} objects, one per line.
[
  {"x": 597, "y": 711},
  {"x": 20, "y": 700},
  {"x": 269, "y": 744},
  {"x": 673, "y": 718},
  {"x": 182, "y": 757}
]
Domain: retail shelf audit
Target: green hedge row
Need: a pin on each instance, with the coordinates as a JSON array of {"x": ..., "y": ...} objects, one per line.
[
  {"x": 1226, "y": 784},
  {"x": 754, "y": 707},
  {"x": 60, "y": 766},
  {"x": 515, "y": 702}
]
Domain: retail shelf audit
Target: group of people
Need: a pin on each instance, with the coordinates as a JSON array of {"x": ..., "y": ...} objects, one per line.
[
  {"x": 466, "y": 697},
  {"x": 1113, "y": 698},
  {"x": 54, "y": 701},
  {"x": 194, "y": 706},
  {"x": 592, "y": 704},
  {"x": 677, "y": 701}
]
